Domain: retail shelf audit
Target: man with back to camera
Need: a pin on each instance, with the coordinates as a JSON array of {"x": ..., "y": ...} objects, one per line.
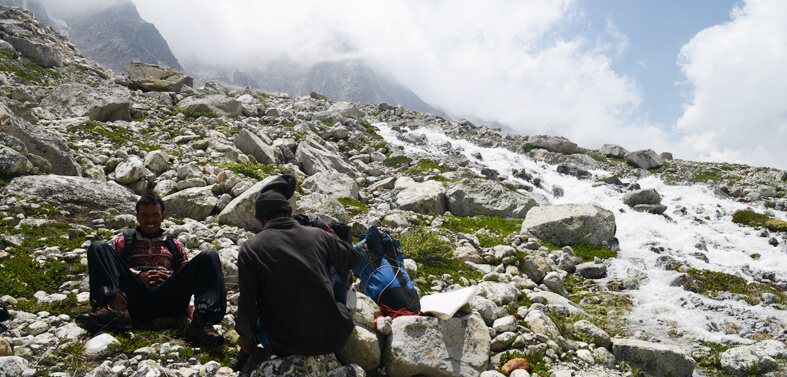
[
  {"x": 144, "y": 274},
  {"x": 287, "y": 303}
]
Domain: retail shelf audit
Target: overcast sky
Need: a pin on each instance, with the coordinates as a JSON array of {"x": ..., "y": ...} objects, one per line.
[{"x": 703, "y": 79}]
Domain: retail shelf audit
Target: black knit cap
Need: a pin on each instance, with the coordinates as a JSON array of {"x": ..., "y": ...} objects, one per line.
[{"x": 273, "y": 198}]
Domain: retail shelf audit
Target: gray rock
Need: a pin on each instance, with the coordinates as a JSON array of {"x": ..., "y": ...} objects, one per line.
[
  {"x": 473, "y": 197},
  {"x": 553, "y": 299},
  {"x": 458, "y": 347},
  {"x": 555, "y": 144},
  {"x": 645, "y": 159},
  {"x": 104, "y": 103},
  {"x": 499, "y": 293},
  {"x": 757, "y": 358},
  {"x": 157, "y": 161},
  {"x": 351, "y": 370},
  {"x": 660, "y": 360},
  {"x": 570, "y": 224},
  {"x": 195, "y": 203},
  {"x": 540, "y": 323},
  {"x": 101, "y": 345},
  {"x": 157, "y": 78},
  {"x": 252, "y": 145},
  {"x": 316, "y": 158},
  {"x": 331, "y": 184},
  {"x": 295, "y": 366},
  {"x": 42, "y": 142},
  {"x": 13, "y": 163},
  {"x": 587, "y": 332},
  {"x": 656, "y": 209},
  {"x": 130, "y": 170},
  {"x": 554, "y": 282},
  {"x": 362, "y": 349},
  {"x": 346, "y": 109},
  {"x": 535, "y": 267},
  {"x": 502, "y": 341},
  {"x": 427, "y": 198},
  {"x": 45, "y": 54},
  {"x": 218, "y": 103},
  {"x": 486, "y": 308},
  {"x": 613, "y": 150},
  {"x": 240, "y": 211},
  {"x": 362, "y": 309},
  {"x": 326, "y": 207},
  {"x": 83, "y": 192},
  {"x": 591, "y": 270},
  {"x": 648, "y": 196},
  {"x": 12, "y": 365},
  {"x": 69, "y": 331},
  {"x": 507, "y": 323}
]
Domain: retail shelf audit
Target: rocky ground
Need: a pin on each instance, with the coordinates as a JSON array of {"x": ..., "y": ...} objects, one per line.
[{"x": 78, "y": 145}]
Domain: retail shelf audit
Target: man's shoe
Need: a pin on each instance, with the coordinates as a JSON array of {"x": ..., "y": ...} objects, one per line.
[
  {"x": 239, "y": 361},
  {"x": 202, "y": 332},
  {"x": 113, "y": 316}
]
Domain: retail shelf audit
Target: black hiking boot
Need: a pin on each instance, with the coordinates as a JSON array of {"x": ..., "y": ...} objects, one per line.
[
  {"x": 201, "y": 332},
  {"x": 254, "y": 361},
  {"x": 112, "y": 316},
  {"x": 239, "y": 361}
]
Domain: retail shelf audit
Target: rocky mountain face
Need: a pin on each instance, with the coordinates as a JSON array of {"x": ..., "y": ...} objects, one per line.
[
  {"x": 78, "y": 144},
  {"x": 112, "y": 36}
]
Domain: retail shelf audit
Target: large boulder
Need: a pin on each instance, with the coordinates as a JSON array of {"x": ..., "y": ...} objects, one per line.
[
  {"x": 429, "y": 346},
  {"x": 571, "y": 224},
  {"x": 346, "y": 109},
  {"x": 540, "y": 323},
  {"x": 151, "y": 77},
  {"x": 586, "y": 331},
  {"x": 104, "y": 103},
  {"x": 660, "y": 360},
  {"x": 12, "y": 366},
  {"x": 315, "y": 158},
  {"x": 44, "y": 53},
  {"x": 86, "y": 193},
  {"x": 326, "y": 207},
  {"x": 473, "y": 197},
  {"x": 195, "y": 203},
  {"x": 427, "y": 198},
  {"x": 500, "y": 293},
  {"x": 130, "y": 170},
  {"x": 251, "y": 144},
  {"x": 646, "y": 159},
  {"x": 44, "y": 143},
  {"x": 334, "y": 185},
  {"x": 613, "y": 150},
  {"x": 555, "y": 144},
  {"x": 756, "y": 358},
  {"x": 240, "y": 212},
  {"x": 647, "y": 196},
  {"x": 217, "y": 103},
  {"x": 297, "y": 366}
]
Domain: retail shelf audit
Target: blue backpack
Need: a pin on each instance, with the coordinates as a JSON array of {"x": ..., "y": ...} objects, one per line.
[{"x": 383, "y": 276}]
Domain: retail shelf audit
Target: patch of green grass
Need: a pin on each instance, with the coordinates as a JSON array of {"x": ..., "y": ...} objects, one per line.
[
  {"x": 499, "y": 228},
  {"x": 7, "y": 54},
  {"x": 704, "y": 176},
  {"x": 751, "y": 218},
  {"x": 256, "y": 171},
  {"x": 73, "y": 356},
  {"x": 327, "y": 124},
  {"x": 117, "y": 135},
  {"x": 393, "y": 162},
  {"x": 264, "y": 95},
  {"x": 18, "y": 71},
  {"x": 379, "y": 145},
  {"x": 353, "y": 206},
  {"x": 434, "y": 257},
  {"x": 222, "y": 355},
  {"x": 712, "y": 284},
  {"x": 535, "y": 360},
  {"x": 22, "y": 275},
  {"x": 425, "y": 165},
  {"x": 598, "y": 157},
  {"x": 288, "y": 124},
  {"x": 710, "y": 361}
]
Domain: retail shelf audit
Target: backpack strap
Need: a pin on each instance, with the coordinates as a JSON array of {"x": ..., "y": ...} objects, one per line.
[
  {"x": 177, "y": 253},
  {"x": 129, "y": 239}
]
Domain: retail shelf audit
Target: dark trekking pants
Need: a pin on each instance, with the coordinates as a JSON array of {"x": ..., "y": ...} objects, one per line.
[{"x": 202, "y": 277}]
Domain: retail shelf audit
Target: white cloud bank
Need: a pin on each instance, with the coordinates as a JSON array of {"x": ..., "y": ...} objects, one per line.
[{"x": 738, "y": 109}]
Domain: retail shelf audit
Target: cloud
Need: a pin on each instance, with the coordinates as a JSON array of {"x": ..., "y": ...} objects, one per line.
[{"x": 738, "y": 106}]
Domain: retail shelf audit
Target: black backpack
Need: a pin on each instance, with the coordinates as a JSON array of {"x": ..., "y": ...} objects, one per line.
[{"x": 130, "y": 239}]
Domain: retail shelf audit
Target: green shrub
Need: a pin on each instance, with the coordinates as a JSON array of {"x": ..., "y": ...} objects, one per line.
[
  {"x": 424, "y": 245},
  {"x": 424, "y": 166},
  {"x": 192, "y": 113},
  {"x": 353, "y": 206},
  {"x": 498, "y": 227},
  {"x": 256, "y": 171},
  {"x": 712, "y": 283},
  {"x": 751, "y": 218}
]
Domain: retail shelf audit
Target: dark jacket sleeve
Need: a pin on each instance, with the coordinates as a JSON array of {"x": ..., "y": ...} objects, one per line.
[
  {"x": 342, "y": 255},
  {"x": 246, "y": 316}
]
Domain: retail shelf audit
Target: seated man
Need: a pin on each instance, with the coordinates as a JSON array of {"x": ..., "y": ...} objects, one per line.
[
  {"x": 287, "y": 301},
  {"x": 144, "y": 274}
]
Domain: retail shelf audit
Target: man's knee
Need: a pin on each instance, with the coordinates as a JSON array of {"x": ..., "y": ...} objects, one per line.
[
  {"x": 210, "y": 255},
  {"x": 97, "y": 248}
]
